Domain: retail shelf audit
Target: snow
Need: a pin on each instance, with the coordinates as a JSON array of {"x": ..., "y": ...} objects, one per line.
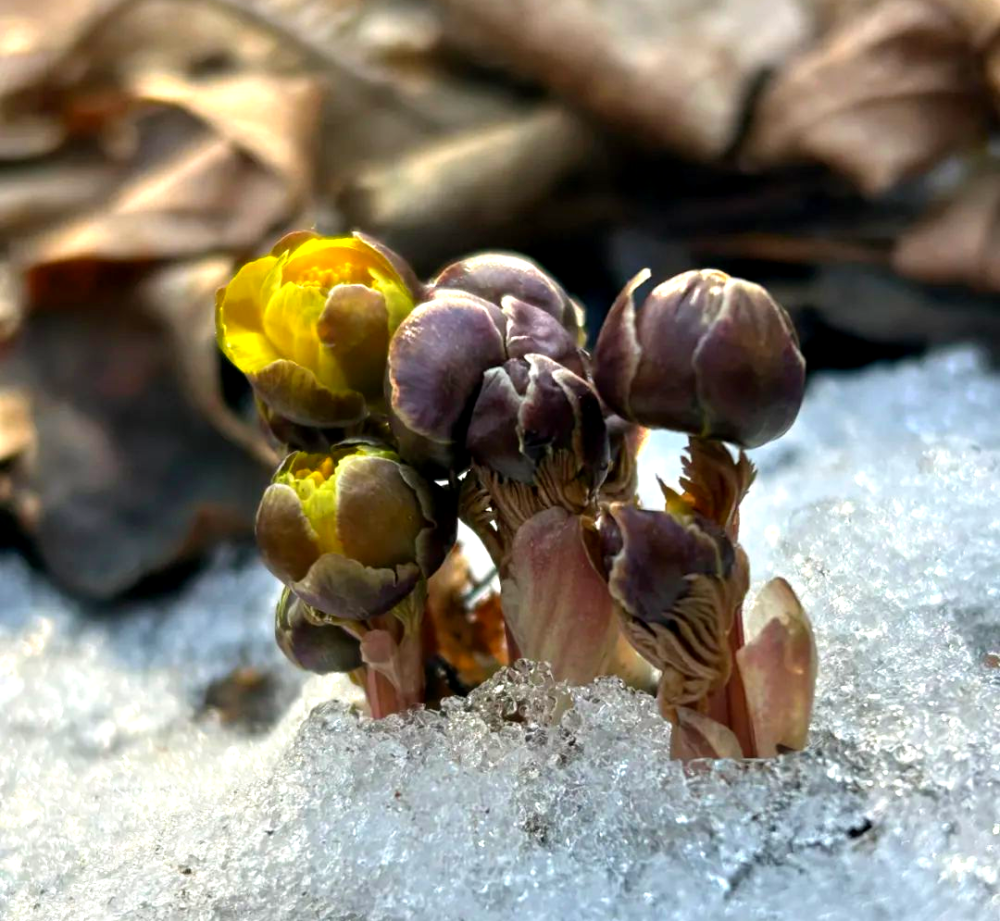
[{"x": 120, "y": 797}]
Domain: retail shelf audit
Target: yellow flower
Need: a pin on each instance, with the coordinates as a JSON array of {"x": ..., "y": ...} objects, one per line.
[
  {"x": 309, "y": 325},
  {"x": 353, "y": 530}
]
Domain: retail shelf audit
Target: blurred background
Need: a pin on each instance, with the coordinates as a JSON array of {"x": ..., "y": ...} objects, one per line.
[{"x": 837, "y": 151}]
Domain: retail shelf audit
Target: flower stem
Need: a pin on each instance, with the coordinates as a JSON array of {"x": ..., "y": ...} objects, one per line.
[
  {"x": 728, "y": 705},
  {"x": 383, "y": 698}
]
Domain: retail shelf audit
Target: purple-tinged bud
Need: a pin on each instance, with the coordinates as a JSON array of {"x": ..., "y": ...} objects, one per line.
[
  {"x": 678, "y": 582},
  {"x": 495, "y": 276},
  {"x": 707, "y": 354},
  {"x": 311, "y": 644},
  {"x": 531, "y": 408},
  {"x": 436, "y": 363}
]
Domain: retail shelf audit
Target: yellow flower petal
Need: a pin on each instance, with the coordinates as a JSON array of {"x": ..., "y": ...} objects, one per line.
[
  {"x": 290, "y": 319},
  {"x": 293, "y": 392},
  {"x": 239, "y": 316},
  {"x": 398, "y": 300}
]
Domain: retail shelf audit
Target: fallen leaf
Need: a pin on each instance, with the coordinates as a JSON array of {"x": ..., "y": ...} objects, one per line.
[
  {"x": 472, "y": 182},
  {"x": 676, "y": 72},
  {"x": 11, "y": 306},
  {"x": 196, "y": 188},
  {"x": 272, "y": 119},
  {"x": 958, "y": 242},
  {"x": 206, "y": 196},
  {"x": 180, "y": 298},
  {"x": 247, "y": 698},
  {"x": 882, "y": 98},
  {"x": 17, "y": 430},
  {"x": 126, "y": 479},
  {"x": 470, "y": 639},
  {"x": 34, "y": 194}
]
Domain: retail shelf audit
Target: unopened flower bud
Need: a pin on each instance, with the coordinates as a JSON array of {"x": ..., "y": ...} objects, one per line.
[
  {"x": 495, "y": 276},
  {"x": 311, "y": 644},
  {"x": 353, "y": 531},
  {"x": 437, "y": 361},
  {"x": 707, "y": 354},
  {"x": 529, "y": 409}
]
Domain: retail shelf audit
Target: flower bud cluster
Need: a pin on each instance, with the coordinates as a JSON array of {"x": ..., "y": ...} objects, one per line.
[{"x": 404, "y": 405}]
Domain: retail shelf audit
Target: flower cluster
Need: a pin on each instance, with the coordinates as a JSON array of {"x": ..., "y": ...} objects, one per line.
[{"x": 406, "y": 405}]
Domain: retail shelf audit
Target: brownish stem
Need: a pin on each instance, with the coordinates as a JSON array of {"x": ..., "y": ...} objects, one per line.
[
  {"x": 405, "y": 689},
  {"x": 513, "y": 650},
  {"x": 383, "y": 698},
  {"x": 729, "y": 704}
]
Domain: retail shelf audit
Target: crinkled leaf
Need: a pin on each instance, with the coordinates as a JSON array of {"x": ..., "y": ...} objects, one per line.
[
  {"x": 668, "y": 70},
  {"x": 958, "y": 242},
  {"x": 881, "y": 98}
]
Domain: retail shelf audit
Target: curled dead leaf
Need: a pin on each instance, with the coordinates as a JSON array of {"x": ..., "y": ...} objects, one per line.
[
  {"x": 206, "y": 196},
  {"x": 272, "y": 119},
  {"x": 17, "y": 429},
  {"x": 470, "y": 638},
  {"x": 126, "y": 479},
  {"x": 958, "y": 242},
  {"x": 676, "y": 73},
  {"x": 884, "y": 96}
]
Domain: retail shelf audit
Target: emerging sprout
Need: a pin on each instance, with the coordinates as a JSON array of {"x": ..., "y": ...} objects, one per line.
[
  {"x": 707, "y": 354},
  {"x": 309, "y": 325},
  {"x": 677, "y": 580}
]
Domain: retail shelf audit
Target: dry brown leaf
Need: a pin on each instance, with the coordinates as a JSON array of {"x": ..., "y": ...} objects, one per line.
[
  {"x": 882, "y": 98},
  {"x": 981, "y": 21},
  {"x": 17, "y": 430},
  {"x": 222, "y": 190},
  {"x": 676, "y": 72},
  {"x": 959, "y": 241},
  {"x": 207, "y": 196},
  {"x": 180, "y": 298},
  {"x": 36, "y": 33},
  {"x": 979, "y": 18},
  {"x": 35, "y": 193},
  {"x": 11, "y": 306},
  {"x": 470, "y": 640},
  {"x": 126, "y": 479},
  {"x": 273, "y": 119},
  {"x": 469, "y": 183},
  {"x": 36, "y": 36}
]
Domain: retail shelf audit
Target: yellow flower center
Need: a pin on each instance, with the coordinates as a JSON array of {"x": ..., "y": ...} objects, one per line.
[
  {"x": 314, "y": 479},
  {"x": 307, "y": 481},
  {"x": 326, "y": 278}
]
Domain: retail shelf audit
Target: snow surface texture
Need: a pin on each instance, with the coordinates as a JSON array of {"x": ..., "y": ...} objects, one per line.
[{"x": 882, "y": 507}]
